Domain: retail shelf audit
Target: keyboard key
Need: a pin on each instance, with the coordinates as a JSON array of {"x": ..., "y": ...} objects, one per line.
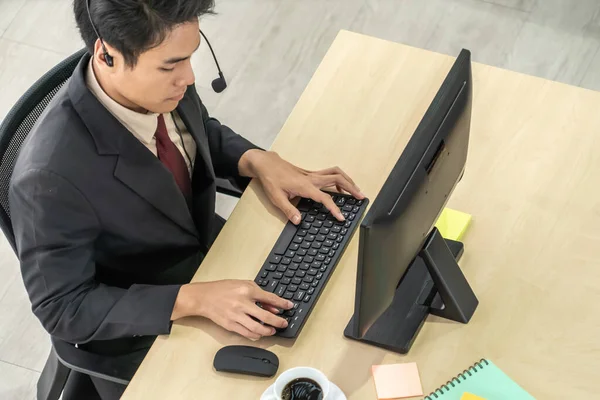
[
  {"x": 331, "y": 253},
  {"x": 293, "y": 288},
  {"x": 300, "y": 274},
  {"x": 286, "y": 261},
  {"x": 289, "y": 274},
  {"x": 317, "y": 224},
  {"x": 340, "y": 201},
  {"x": 328, "y": 224},
  {"x": 305, "y": 286},
  {"x": 324, "y": 231},
  {"x": 348, "y": 224},
  {"x": 311, "y": 290},
  {"x": 262, "y": 282},
  {"x": 344, "y": 231},
  {"x": 321, "y": 216},
  {"x": 309, "y": 259},
  {"x": 300, "y": 295},
  {"x": 302, "y": 232},
  {"x": 264, "y": 274},
  {"x": 271, "y": 267},
  {"x": 345, "y": 214},
  {"x": 272, "y": 286},
  {"x": 313, "y": 231},
  {"x": 336, "y": 229},
  {"x": 328, "y": 243},
  {"x": 301, "y": 252},
  {"x": 313, "y": 212},
  {"x": 285, "y": 281},
  {"x": 335, "y": 246},
  {"x": 317, "y": 245},
  {"x": 327, "y": 260},
  {"x": 351, "y": 201},
  {"x": 307, "y": 299},
  {"x": 298, "y": 259},
  {"x": 324, "y": 250},
  {"x": 320, "y": 258},
  {"x": 332, "y": 236},
  {"x": 319, "y": 275},
  {"x": 280, "y": 290},
  {"x": 298, "y": 239},
  {"x": 352, "y": 216},
  {"x": 288, "y": 295},
  {"x": 347, "y": 207},
  {"x": 290, "y": 254},
  {"x": 305, "y": 245},
  {"x": 308, "y": 279},
  {"x": 284, "y": 240},
  {"x": 313, "y": 271},
  {"x": 310, "y": 238},
  {"x": 296, "y": 281},
  {"x": 355, "y": 209},
  {"x": 323, "y": 268},
  {"x": 315, "y": 283},
  {"x": 312, "y": 252},
  {"x": 275, "y": 259},
  {"x": 282, "y": 268},
  {"x": 289, "y": 313},
  {"x": 296, "y": 305},
  {"x": 293, "y": 266},
  {"x": 309, "y": 218},
  {"x": 339, "y": 239},
  {"x": 359, "y": 202},
  {"x": 277, "y": 275},
  {"x": 304, "y": 266},
  {"x": 320, "y": 238},
  {"x": 305, "y": 225}
]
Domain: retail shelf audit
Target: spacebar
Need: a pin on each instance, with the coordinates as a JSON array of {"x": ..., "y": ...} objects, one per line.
[{"x": 285, "y": 238}]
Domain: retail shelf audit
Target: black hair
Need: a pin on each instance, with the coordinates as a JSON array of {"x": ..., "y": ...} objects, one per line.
[{"x": 135, "y": 26}]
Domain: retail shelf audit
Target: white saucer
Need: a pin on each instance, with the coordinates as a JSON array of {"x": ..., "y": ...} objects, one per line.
[{"x": 335, "y": 393}]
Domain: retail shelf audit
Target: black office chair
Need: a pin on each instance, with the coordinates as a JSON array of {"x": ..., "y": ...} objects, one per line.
[{"x": 64, "y": 357}]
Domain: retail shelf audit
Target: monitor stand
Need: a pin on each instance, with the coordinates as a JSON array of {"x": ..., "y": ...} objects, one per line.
[{"x": 433, "y": 284}]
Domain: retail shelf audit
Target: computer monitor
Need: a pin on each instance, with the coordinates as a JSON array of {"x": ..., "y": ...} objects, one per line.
[{"x": 406, "y": 270}]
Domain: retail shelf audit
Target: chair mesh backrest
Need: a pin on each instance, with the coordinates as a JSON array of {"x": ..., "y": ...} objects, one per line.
[{"x": 20, "y": 121}]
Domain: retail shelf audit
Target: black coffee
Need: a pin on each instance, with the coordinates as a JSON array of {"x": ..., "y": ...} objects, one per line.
[{"x": 302, "y": 389}]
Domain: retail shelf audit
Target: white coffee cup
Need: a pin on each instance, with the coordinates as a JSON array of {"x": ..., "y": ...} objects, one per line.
[{"x": 300, "y": 372}]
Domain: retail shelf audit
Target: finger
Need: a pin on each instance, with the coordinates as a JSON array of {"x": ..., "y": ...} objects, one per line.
[
  {"x": 340, "y": 182},
  {"x": 336, "y": 170},
  {"x": 266, "y": 317},
  {"x": 256, "y": 327},
  {"x": 326, "y": 200},
  {"x": 243, "y": 331},
  {"x": 272, "y": 309},
  {"x": 282, "y": 202},
  {"x": 270, "y": 299}
]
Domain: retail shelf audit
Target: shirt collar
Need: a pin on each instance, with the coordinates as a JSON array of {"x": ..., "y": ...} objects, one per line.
[{"x": 142, "y": 126}]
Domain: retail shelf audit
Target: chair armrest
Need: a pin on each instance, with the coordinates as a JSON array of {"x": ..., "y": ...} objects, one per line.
[
  {"x": 118, "y": 369},
  {"x": 227, "y": 188}
]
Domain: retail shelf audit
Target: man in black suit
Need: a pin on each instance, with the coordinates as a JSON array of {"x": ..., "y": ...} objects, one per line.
[{"x": 113, "y": 194}]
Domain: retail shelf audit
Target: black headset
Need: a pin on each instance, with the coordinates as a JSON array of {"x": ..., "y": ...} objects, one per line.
[{"x": 218, "y": 84}]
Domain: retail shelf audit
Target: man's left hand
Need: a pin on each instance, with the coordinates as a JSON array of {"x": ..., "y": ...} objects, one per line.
[{"x": 283, "y": 181}]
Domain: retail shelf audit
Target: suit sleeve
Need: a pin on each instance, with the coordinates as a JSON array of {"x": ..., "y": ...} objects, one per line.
[
  {"x": 55, "y": 231},
  {"x": 226, "y": 149}
]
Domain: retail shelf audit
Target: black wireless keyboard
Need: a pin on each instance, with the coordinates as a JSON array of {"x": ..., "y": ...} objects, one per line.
[{"x": 305, "y": 256}]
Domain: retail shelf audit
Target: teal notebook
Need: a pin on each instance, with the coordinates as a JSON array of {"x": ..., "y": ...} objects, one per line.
[{"x": 483, "y": 379}]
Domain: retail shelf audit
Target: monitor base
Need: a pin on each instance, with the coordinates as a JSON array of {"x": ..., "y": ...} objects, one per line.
[{"x": 432, "y": 284}]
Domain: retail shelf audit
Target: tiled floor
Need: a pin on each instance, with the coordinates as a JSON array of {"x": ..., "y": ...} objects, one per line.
[{"x": 269, "y": 49}]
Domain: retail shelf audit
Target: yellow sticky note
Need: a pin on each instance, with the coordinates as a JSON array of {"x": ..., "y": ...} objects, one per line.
[
  {"x": 397, "y": 381},
  {"x": 453, "y": 224},
  {"x": 470, "y": 396}
]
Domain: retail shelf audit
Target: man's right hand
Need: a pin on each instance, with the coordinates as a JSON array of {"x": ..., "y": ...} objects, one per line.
[{"x": 231, "y": 304}]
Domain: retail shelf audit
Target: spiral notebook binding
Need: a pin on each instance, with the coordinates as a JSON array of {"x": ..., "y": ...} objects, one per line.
[{"x": 457, "y": 379}]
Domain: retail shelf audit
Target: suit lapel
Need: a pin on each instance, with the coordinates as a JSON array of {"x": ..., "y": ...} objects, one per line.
[
  {"x": 143, "y": 173},
  {"x": 191, "y": 115}
]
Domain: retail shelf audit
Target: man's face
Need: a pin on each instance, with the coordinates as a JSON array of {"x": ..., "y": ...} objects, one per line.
[{"x": 161, "y": 76}]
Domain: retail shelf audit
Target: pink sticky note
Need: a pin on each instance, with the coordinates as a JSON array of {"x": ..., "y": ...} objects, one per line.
[{"x": 397, "y": 381}]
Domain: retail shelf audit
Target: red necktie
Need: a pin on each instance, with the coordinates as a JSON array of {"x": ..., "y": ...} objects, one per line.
[{"x": 171, "y": 157}]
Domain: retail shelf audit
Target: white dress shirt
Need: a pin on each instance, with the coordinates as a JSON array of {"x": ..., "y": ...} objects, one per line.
[{"x": 143, "y": 126}]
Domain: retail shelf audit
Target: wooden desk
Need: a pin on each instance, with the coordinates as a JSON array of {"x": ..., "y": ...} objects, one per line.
[{"x": 532, "y": 253}]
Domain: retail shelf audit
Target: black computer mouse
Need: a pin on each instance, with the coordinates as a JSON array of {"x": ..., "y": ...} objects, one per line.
[{"x": 246, "y": 360}]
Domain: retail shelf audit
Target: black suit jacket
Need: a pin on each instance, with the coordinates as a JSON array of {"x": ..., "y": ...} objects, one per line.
[{"x": 104, "y": 235}]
